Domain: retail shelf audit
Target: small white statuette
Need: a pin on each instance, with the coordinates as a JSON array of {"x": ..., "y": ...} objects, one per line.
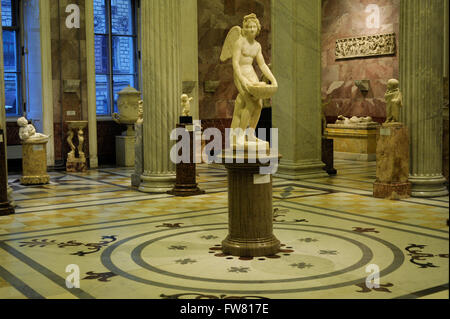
[
  {"x": 27, "y": 132},
  {"x": 186, "y": 105}
]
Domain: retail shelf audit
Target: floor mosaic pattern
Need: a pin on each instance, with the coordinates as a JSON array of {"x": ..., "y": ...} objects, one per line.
[{"x": 129, "y": 244}]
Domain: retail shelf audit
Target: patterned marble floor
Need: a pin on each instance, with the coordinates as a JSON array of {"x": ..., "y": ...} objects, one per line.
[{"x": 128, "y": 244}]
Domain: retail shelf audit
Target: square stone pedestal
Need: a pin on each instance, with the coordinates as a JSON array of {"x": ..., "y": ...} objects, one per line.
[
  {"x": 392, "y": 162},
  {"x": 125, "y": 150},
  {"x": 34, "y": 162},
  {"x": 353, "y": 142}
]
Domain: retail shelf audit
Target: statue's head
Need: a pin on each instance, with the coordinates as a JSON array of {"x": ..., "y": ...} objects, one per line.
[
  {"x": 184, "y": 98},
  {"x": 392, "y": 84},
  {"x": 249, "y": 20},
  {"x": 22, "y": 121}
]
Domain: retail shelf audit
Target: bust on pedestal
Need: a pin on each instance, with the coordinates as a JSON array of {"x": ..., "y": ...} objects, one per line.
[
  {"x": 74, "y": 163},
  {"x": 249, "y": 191},
  {"x": 34, "y": 154},
  {"x": 392, "y": 150}
]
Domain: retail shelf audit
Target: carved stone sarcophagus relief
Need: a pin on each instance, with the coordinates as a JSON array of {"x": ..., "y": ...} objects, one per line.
[{"x": 364, "y": 46}]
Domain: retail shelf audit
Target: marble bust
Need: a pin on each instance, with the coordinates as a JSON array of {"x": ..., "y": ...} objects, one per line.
[
  {"x": 394, "y": 101},
  {"x": 27, "y": 132},
  {"x": 185, "y": 104},
  {"x": 241, "y": 46}
]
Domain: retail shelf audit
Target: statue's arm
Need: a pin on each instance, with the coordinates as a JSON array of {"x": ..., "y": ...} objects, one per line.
[
  {"x": 264, "y": 68},
  {"x": 241, "y": 82}
]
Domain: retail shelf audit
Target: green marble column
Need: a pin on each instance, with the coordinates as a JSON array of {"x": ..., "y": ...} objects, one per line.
[
  {"x": 296, "y": 108},
  {"x": 161, "y": 90},
  {"x": 421, "y": 81}
]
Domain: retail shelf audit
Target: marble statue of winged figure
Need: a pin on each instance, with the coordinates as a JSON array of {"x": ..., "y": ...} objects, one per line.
[
  {"x": 241, "y": 46},
  {"x": 227, "y": 50}
]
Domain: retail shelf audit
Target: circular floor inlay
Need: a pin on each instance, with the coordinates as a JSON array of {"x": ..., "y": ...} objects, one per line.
[{"x": 146, "y": 258}]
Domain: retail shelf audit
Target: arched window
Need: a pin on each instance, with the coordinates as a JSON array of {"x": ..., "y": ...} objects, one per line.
[{"x": 115, "y": 51}]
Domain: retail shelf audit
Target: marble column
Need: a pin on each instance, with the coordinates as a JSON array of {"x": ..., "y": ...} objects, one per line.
[
  {"x": 46, "y": 76},
  {"x": 3, "y": 115},
  {"x": 296, "y": 58},
  {"x": 161, "y": 90},
  {"x": 91, "y": 90},
  {"x": 421, "y": 81}
]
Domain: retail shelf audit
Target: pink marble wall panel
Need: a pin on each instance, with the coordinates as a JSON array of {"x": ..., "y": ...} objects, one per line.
[
  {"x": 215, "y": 19},
  {"x": 347, "y": 18}
]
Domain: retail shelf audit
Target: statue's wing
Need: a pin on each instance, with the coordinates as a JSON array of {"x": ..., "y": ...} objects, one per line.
[{"x": 227, "y": 50}]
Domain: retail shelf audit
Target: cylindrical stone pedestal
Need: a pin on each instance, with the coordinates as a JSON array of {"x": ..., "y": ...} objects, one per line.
[
  {"x": 186, "y": 180},
  {"x": 34, "y": 162},
  {"x": 250, "y": 213}
]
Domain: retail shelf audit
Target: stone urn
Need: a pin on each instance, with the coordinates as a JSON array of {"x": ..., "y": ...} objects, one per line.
[{"x": 128, "y": 106}]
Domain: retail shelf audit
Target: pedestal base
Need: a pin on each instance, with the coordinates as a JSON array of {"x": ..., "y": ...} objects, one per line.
[
  {"x": 328, "y": 156},
  {"x": 392, "y": 190},
  {"x": 125, "y": 155},
  {"x": 186, "y": 190},
  {"x": 251, "y": 248},
  {"x": 76, "y": 165},
  {"x": 34, "y": 164},
  {"x": 250, "y": 210},
  {"x": 35, "y": 180},
  {"x": 353, "y": 142}
]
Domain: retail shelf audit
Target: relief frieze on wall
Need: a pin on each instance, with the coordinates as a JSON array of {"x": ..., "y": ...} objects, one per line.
[{"x": 364, "y": 46}]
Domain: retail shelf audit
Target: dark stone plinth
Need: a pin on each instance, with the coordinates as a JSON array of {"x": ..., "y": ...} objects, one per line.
[
  {"x": 5, "y": 206},
  {"x": 392, "y": 190},
  {"x": 186, "y": 179},
  {"x": 328, "y": 156},
  {"x": 185, "y": 119}
]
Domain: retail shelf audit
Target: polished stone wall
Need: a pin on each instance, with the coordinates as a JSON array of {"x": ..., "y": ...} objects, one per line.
[
  {"x": 344, "y": 19},
  {"x": 215, "y": 18},
  {"x": 68, "y": 63}
]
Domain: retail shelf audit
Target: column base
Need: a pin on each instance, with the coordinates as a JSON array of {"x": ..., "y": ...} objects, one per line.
[
  {"x": 6, "y": 209},
  {"x": 35, "y": 180},
  {"x": 186, "y": 190},
  {"x": 301, "y": 170},
  {"x": 425, "y": 186},
  {"x": 93, "y": 161},
  {"x": 392, "y": 190},
  {"x": 251, "y": 248},
  {"x": 157, "y": 183}
]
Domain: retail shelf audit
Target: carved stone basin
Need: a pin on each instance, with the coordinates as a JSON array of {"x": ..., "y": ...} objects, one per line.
[
  {"x": 262, "y": 90},
  {"x": 77, "y": 124}
]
